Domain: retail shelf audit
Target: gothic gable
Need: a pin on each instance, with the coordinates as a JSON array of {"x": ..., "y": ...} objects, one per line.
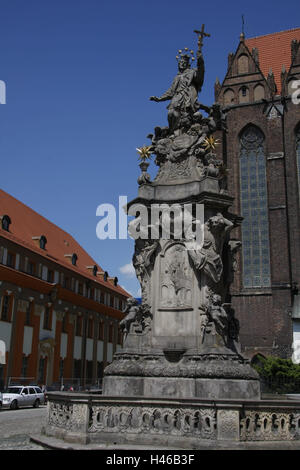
[{"x": 244, "y": 81}]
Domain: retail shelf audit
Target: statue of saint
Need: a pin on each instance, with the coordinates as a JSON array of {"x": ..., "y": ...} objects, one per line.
[
  {"x": 183, "y": 92},
  {"x": 132, "y": 310},
  {"x": 218, "y": 315},
  {"x": 209, "y": 257}
]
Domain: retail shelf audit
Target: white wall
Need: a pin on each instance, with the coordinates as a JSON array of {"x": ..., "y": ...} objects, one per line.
[
  {"x": 77, "y": 347},
  {"x": 100, "y": 345},
  {"x": 89, "y": 349},
  {"x": 109, "y": 352},
  {"x": 27, "y": 340},
  {"x": 5, "y": 332}
]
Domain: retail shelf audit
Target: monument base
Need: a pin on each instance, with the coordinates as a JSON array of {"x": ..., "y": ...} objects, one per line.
[
  {"x": 172, "y": 387},
  {"x": 217, "y": 373}
]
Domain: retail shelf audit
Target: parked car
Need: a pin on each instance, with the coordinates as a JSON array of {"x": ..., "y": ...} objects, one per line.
[{"x": 17, "y": 396}]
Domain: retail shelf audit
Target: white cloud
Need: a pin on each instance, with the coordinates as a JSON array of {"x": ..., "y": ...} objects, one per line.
[{"x": 128, "y": 270}]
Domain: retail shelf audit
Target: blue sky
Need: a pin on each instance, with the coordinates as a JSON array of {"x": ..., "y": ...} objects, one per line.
[{"x": 79, "y": 74}]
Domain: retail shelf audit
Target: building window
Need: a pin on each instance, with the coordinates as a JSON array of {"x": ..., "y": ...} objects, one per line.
[
  {"x": 80, "y": 288},
  {"x": 95, "y": 270},
  {"x": 102, "y": 300},
  {"x": 6, "y": 222},
  {"x": 74, "y": 259},
  {"x": 11, "y": 260},
  {"x": 89, "y": 371},
  {"x": 64, "y": 323},
  {"x": 24, "y": 366},
  {"x": 61, "y": 368},
  {"x": 31, "y": 268},
  {"x": 50, "y": 276},
  {"x": 28, "y": 314},
  {"x": 298, "y": 157},
  {"x": 101, "y": 330},
  {"x": 77, "y": 368},
  {"x": 42, "y": 365},
  {"x": 105, "y": 276},
  {"x": 92, "y": 293},
  {"x": 111, "y": 301},
  {"x": 111, "y": 333},
  {"x": 66, "y": 283},
  {"x": 78, "y": 326},
  {"x": 243, "y": 95},
  {"x": 5, "y": 308},
  {"x": 90, "y": 328},
  {"x": 43, "y": 241},
  {"x": 254, "y": 209},
  {"x": 47, "y": 318}
]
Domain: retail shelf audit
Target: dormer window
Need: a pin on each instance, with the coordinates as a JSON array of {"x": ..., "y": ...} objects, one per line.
[
  {"x": 95, "y": 270},
  {"x": 105, "y": 276},
  {"x": 6, "y": 222},
  {"x": 40, "y": 241},
  {"x": 43, "y": 241},
  {"x": 72, "y": 258},
  {"x": 115, "y": 281}
]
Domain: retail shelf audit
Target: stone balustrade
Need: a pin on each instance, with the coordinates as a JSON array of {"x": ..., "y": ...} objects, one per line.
[{"x": 185, "y": 423}]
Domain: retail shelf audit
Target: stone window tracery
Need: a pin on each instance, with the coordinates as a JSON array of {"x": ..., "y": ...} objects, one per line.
[{"x": 254, "y": 209}]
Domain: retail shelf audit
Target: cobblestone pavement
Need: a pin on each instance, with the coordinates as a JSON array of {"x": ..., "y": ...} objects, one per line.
[{"x": 17, "y": 425}]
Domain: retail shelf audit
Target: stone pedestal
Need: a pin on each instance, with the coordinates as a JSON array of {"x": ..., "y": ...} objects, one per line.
[{"x": 182, "y": 342}]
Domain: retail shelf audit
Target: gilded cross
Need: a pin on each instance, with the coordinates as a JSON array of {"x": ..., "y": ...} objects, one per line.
[{"x": 201, "y": 34}]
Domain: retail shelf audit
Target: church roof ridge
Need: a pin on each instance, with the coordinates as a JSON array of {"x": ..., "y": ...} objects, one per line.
[{"x": 273, "y": 34}]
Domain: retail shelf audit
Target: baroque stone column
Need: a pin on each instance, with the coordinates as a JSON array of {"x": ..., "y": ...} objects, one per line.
[{"x": 182, "y": 341}]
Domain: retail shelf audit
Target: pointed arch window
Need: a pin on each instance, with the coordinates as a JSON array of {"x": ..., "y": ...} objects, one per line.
[
  {"x": 243, "y": 64},
  {"x": 254, "y": 209}
]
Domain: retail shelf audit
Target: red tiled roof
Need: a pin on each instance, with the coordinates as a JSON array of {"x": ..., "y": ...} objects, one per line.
[
  {"x": 274, "y": 51},
  {"x": 26, "y": 223}
]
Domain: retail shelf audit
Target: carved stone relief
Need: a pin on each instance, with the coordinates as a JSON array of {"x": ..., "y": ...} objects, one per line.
[{"x": 176, "y": 278}]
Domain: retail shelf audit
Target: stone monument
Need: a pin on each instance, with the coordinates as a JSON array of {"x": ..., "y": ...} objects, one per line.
[
  {"x": 182, "y": 340},
  {"x": 180, "y": 379}
]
